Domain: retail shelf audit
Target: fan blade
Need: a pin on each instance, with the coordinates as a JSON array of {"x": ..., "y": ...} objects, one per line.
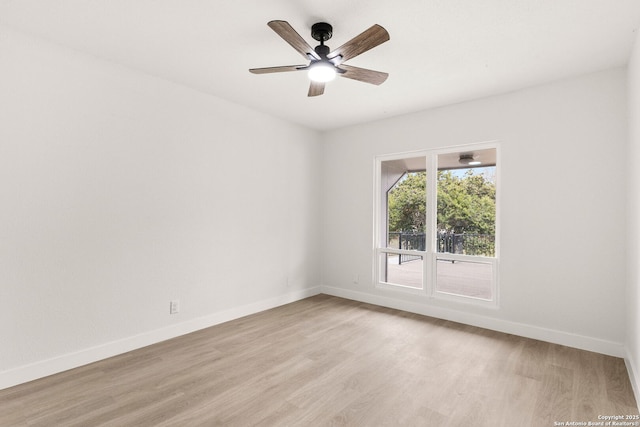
[
  {"x": 290, "y": 35},
  {"x": 363, "y": 75},
  {"x": 282, "y": 69},
  {"x": 374, "y": 36},
  {"x": 316, "y": 89}
]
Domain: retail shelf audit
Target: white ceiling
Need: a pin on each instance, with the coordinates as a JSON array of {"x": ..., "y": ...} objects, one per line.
[{"x": 440, "y": 52}]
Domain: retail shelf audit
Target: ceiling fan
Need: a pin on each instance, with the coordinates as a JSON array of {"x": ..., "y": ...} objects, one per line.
[{"x": 325, "y": 64}]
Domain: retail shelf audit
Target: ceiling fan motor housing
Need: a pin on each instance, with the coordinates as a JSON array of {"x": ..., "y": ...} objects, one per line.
[{"x": 321, "y": 31}]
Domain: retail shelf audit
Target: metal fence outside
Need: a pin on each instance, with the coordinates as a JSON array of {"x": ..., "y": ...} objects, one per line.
[{"x": 464, "y": 243}]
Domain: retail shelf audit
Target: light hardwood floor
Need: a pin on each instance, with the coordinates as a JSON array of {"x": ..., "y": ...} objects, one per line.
[{"x": 329, "y": 361}]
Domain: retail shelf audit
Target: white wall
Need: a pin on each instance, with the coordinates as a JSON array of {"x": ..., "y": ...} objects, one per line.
[
  {"x": 633, "y": 297},
  {"x": 120, "y": 192},
  {"x": 563, "y": 151}
]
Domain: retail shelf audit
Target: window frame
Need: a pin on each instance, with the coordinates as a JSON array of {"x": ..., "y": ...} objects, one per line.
[{"x": 430, "y": 255}]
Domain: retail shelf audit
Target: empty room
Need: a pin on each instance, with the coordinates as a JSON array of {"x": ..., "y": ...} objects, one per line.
[{"x": 420, "y": 213}]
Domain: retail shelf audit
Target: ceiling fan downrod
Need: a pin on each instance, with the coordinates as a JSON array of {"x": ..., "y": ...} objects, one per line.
[{"x": 322, "y": 32}]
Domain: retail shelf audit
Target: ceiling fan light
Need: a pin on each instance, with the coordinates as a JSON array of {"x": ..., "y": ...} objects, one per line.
[{"x": 322, "y": 72}]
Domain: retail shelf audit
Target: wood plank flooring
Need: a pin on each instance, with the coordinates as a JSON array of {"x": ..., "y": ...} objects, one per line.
[{"x": 329, "y": 361}]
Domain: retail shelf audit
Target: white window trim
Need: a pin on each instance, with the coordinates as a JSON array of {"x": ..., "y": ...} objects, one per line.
[{"x": 430, "y": 256}]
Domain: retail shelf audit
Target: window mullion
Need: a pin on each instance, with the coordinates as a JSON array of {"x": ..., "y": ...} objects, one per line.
[{"x": 431, "y": 211}]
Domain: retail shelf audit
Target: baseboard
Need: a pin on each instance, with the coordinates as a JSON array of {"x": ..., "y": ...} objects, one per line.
[
  {"x": 65, "y": 362},
  {"x": 528, "y": 331},
  {"x": 633, "y": 376}
]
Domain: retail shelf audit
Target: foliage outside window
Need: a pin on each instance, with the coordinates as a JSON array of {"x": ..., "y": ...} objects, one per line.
[{"x": 466, "y": 209}]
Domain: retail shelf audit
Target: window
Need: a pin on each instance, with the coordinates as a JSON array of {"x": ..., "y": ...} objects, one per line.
[
  {"x": 403, "y": 222},
  {"x": 436, "y": 223}
]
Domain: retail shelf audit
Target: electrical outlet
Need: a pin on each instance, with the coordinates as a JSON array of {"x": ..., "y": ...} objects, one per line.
[{"x": 174, "y": 306}]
